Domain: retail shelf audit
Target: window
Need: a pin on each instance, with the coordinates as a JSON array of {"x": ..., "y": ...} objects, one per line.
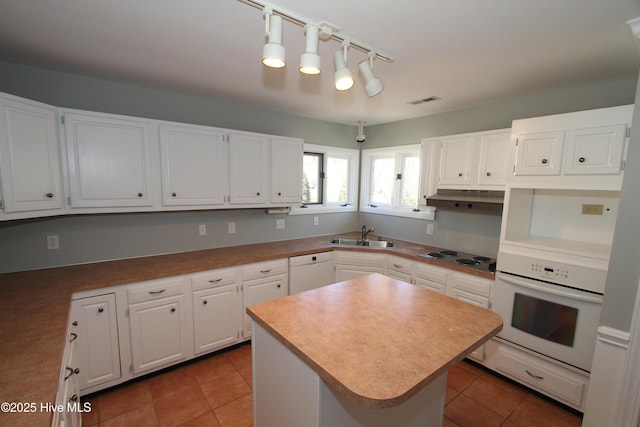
[
  {"x": 330, "y": 179},
  {"x": 391, "y": 181}
]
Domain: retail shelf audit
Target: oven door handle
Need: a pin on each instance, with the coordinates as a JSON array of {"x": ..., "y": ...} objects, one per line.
[{"x": 550, "y": 290}]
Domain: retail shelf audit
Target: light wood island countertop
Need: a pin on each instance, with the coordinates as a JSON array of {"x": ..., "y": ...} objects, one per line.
[
  {"x": 376, "y": 340},
  {"x": 34, "y": 307}
]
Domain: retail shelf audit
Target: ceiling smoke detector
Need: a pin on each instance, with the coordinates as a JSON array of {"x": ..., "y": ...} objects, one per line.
[{"x": 424, "y": 100}]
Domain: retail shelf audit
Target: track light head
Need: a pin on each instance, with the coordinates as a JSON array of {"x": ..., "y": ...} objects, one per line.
[
  {"x": 360, "y": 137},
  {"x": 310, "y": 60},
  {"x": 273, "y": 52},
  {"x": 342, "y": 77},
  {"x": 373, "y": 85}
]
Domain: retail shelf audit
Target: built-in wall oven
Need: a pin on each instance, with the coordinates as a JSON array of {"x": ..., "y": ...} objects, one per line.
[{"x": 545, "y": 316}]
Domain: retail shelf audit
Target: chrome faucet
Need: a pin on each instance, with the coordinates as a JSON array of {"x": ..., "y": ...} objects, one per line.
[{"x": 365, "y": 232}]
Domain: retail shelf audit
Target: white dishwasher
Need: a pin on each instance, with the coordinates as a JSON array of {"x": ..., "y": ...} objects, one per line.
[{"x": 310, "y": 271}]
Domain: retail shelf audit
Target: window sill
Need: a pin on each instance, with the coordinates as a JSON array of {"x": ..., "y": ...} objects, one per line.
[
  {"x": 425, "y": 212},
  {"x": 318, "y": 209}
]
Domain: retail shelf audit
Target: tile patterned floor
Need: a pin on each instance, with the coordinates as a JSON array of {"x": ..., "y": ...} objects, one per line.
[{"x": 216, "y": 391}]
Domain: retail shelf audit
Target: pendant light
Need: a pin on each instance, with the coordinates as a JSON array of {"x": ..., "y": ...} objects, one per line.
[
  {"x": 373, "y": 85},
  {"x": 310, "y": 60},
  {"x": 342, "y": 77},
  {"x": 273, "y": 51}
]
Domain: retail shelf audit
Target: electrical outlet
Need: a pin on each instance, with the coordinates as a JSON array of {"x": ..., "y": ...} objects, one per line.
[
  {"x": 53, "y": 242},
  {"x": 202, "y": 229},
  {"x": 231, "y": 227},
  {"x": 279, "y": 224},
  {"x": 316, "y": 221},
  {"x": 430, "y": 229}
]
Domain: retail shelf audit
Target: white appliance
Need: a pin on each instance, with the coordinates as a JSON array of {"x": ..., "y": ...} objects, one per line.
[{"x": 310, "y": 271}]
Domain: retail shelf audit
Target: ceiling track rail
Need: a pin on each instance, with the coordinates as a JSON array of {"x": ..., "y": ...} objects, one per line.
[{"x": 340, "y": 38}]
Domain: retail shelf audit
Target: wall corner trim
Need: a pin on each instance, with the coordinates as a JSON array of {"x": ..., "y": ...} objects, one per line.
[{"x": 613, "y": 337}]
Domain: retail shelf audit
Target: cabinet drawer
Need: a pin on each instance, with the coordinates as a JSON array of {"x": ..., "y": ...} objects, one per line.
[
  {"x": 214, "y": 278},
  {"x": 399, "y": 264},
  {"x": 431, "y": 272},
  {"x": 264, "y": 269},
  {"x": 156, "y": 289},
  {"x": 469, "y": 297},
  {"x": 567, "y": 386},
  {"x": 475, "y": 285},
  {"x": 430, "y": 285},
  {"x": 359, "y": 258}
]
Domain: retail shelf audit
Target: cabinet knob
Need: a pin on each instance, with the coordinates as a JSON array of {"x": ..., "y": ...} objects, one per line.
[
  {"x": 258, "y": 193},
  {"x": 100, "y": 310},
  {"x": 173, "y": 309},
  {"x": 173, "y": 194},
  {"x": 581, "y": 159},
  {"x": 139, "y": 194},
  {"x": 73, "y": 398},
  {"x": 75, "y": 323},
  {"x": 279, "y": 194},
  {"x": 488, "y": 173},
  {"x": 278, "y": 284},
  {"x": 459, "y": 173},
  {"x": 204, "y": 302},
  {"x": 49, "y": 195},
  {"x": 544, "y": 161}
]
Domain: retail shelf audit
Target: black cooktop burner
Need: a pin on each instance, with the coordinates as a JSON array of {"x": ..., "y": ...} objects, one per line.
[{"x": 476, "y": 262}]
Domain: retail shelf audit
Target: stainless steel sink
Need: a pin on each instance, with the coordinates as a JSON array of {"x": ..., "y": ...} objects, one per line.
[{"x": 350, "y": 241}]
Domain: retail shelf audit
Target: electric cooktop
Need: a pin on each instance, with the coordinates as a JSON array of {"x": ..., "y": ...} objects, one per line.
[{"x": 460, "y": 258}]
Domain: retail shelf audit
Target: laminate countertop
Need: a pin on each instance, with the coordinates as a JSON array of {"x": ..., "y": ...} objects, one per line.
[
  {"x": 34, "y": 307},
  {"x": 376, "y": 340}
]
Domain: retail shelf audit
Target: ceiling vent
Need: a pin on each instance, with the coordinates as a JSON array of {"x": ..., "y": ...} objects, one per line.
[{"x": 424, "y": 100}]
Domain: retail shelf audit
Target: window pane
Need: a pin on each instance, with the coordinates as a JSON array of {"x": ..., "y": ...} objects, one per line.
[
  {"x": 410, "y": 177},
  {"x": 337, "y": 180},
  {"x": 382, "y": 179},
  {"x": 311, "y": 178}
]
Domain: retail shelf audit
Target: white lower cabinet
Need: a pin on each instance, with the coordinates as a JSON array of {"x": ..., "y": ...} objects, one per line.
[
  {"x": 68, "y": 395},
  {"x": 351, "y": 264},
  {"x": 474, "y": 290},
  {"x": 94, "y": 324},
  {"x": 430, "y": 277},
  {"x": 399, "y": 268},
  {"x": 261, "y": 282},
  {"x": 160, "y": 324},
  {"x": 560, "y": 382},
  {"x": 215, "y": 309}
]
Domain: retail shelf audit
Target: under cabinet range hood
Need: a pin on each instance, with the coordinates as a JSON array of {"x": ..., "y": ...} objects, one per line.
[{"x": 468, "y": 200}]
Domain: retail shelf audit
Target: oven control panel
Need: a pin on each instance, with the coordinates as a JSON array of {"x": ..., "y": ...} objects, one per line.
[{"x": 577, "y": 276}]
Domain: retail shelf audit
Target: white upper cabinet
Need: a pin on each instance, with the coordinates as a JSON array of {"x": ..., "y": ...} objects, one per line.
[
  {"x": 249, "y": 169},
  {"x": 585, "y": 149},
  {"x": 109, "y": 160},
  {"x": 29, "y": 157},
  {"x": 286, "y": 170},
  {"x": 474, "y": 161},
  {"x": 429, "y": 157},
  {"x": 194, "y": 165}
]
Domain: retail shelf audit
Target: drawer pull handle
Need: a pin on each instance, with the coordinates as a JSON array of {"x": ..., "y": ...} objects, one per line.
[
  {"x": 49, "y": 195},
  {"x": 215, "y": 280},
  {"x": 157, "y": 292},
  {"x": 534, "y": 376},
  {"x": 73, "y": 398},
  {"x": 268, "y": 270},
  {"x": 74, "y": 337},
  {"x": 71, "y": 372},
  {"x": 397, "y": 266}
]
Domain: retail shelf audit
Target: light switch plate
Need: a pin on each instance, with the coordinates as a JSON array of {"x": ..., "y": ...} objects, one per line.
[{"x": 231, "y": 227}]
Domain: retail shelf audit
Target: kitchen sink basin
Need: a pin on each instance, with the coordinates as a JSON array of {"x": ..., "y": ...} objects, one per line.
[{"x": 350, "y": 241}]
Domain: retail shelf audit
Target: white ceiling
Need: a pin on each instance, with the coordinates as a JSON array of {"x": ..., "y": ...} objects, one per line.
[{"x": 465, "y": 52}]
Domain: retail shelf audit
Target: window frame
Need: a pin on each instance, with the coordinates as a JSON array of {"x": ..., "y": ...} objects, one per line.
[
  {"x": 353, "y": 157},
  {"x": 398, "y": 153}
]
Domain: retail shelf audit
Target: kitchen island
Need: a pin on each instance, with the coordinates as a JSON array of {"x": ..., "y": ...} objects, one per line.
[{"x": 370, "y": 351}]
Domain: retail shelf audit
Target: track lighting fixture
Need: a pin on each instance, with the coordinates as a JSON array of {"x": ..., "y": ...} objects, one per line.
[
  {"x": 360, "y": 137},
  {"x": 310, "y": 60},
  {"x": 273, "y": 51},
  {"x": 373, "y": 85},
  {"x": 342, "y": 77}
]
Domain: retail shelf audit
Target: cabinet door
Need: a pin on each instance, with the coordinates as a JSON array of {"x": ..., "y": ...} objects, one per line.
[
  {"x": 539, "y": 153},
  {"x": 29, "y": 157},
  {"x": 595, "y": 150},
  {"x": 494, "y": 160},
  {"x": 286, "y": 170},
  {"x": 248, "y": 169},
  {"x": 98, "y": 350},
  {"x": 109, "y": 161},
  {"x": 456, "y": 161},
  {"x": 255, "y": 292},
  {"x": 429, "y": 156},
  {"x": 215, "y": 316},
  {"x": 158, "y": 333},
  {"x": 194, "y": 166}
]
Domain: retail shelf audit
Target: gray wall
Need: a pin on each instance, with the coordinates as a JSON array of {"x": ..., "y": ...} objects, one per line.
[
  {"x": 88, "y": 238},
  {"x": 624, "y": 270}
]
